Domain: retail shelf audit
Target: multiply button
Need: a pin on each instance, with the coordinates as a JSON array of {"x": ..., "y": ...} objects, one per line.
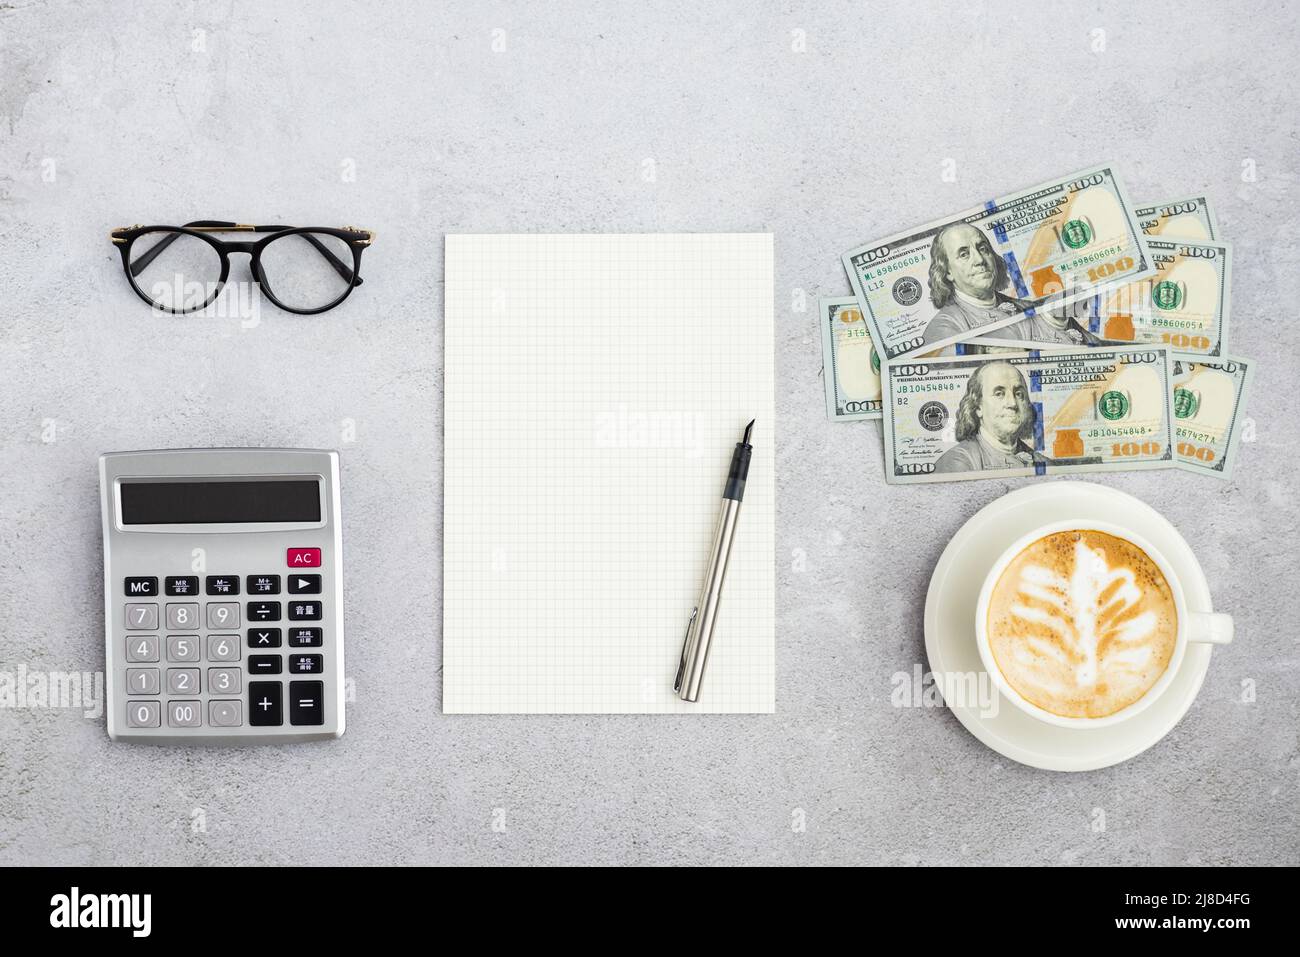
[
  {"x": 306, "y": 702},
  {"x": 264, "y": 584},
  {"x": 141, "y": 587},
  {"x": 265, "y": 703},
  {"x": 264, "y": 637},
  {"x": 304, "y": 611},
  {"x": 302, "y": 557},
  {"x": 223, "y": 584}
]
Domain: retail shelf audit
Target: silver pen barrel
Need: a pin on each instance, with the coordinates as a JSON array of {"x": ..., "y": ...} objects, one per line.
[
  {"x": 703, "y": 620},
  {"x": 699, "y": 636}
]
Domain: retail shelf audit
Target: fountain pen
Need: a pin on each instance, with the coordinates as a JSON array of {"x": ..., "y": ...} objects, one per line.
[{"x": 704, "y": 616}]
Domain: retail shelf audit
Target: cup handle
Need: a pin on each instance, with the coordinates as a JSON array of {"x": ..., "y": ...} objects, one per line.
[{"x": 1209, "y": 627}]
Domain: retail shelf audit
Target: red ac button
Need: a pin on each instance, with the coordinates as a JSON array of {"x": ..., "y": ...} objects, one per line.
[{"x": 302, "y": 558}]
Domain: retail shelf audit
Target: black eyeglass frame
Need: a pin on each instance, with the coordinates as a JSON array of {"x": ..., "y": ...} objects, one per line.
[{"x": 357, "y": 239}]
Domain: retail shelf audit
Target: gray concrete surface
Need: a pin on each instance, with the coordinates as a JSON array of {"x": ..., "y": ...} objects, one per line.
[{"x": 827, "y": 124}]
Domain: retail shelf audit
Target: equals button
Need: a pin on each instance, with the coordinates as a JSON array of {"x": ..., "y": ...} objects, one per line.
[{"x": 306, "y": 702}]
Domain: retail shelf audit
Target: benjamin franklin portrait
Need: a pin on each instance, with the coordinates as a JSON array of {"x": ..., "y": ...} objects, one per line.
[
  {"x": 966, "y": 279},
  {"x": 994, "y": 421}
]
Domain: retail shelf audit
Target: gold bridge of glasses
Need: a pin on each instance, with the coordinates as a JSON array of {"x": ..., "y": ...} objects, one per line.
[{"x": 236, "y": 228}]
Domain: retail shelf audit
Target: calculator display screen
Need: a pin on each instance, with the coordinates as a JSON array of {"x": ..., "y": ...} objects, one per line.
[{"x": 208, "y": 502}]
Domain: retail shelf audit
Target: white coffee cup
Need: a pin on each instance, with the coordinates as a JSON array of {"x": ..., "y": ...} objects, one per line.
[{"x": 1192, "y": 625}]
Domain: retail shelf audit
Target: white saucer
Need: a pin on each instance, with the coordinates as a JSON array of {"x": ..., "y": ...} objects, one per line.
[{"x": 950, "y": 626}]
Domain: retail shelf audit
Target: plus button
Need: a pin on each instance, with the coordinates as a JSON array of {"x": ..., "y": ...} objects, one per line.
[{"x": 266, "y": 700}]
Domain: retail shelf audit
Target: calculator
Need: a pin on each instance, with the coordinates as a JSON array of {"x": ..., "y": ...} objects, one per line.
[{"x": 223, "y": 591}]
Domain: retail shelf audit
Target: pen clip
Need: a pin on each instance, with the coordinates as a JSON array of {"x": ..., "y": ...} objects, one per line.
[{"x": 686, "y": 640}]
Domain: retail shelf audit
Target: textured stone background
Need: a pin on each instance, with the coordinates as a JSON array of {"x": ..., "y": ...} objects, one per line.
[{"x": 161, "y": 112}]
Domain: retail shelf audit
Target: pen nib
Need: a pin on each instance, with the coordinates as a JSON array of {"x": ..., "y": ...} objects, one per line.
[{"x": 748, "y": 429}]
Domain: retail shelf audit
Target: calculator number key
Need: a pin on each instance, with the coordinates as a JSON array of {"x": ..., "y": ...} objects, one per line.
[
  {"x": 182, "y": 647},
  {"x": 142, "y": 648},
  {"x": 181, "y": 586},
  {"x": 141, "y": 680},
  {"x": 142, "y": 587},
  {"x": 141, "y": 617},
  {"x": 182, "y": 680},
  {"x": 306, "y": 664},
  {"x": 265, "y": 664},
  {"x": 143, "y": 714},
  {"x": 305, "y": 638},
  {"x": 263, "y": 611},
  {"x": 223, "y": 647},
  {"x": 182, "y": 617},
  {"x": 224, "y": 680},
  {"x": 306, "y": 702},
  {"x": 223, "y": 614},
  {"x": 265, "y": 703},
  {"x": 184, "y": 714},
  {"x": 304, "y": 611}
]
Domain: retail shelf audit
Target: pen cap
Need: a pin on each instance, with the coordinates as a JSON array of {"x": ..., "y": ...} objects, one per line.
[{"x": 738, "y": 472}]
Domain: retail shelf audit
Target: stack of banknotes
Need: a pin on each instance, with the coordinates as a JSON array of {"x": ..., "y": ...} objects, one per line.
[{"x": 1058, "y": 329}]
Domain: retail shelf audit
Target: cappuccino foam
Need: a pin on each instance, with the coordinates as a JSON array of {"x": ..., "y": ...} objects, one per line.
[{"x": 1082, "y": 623}]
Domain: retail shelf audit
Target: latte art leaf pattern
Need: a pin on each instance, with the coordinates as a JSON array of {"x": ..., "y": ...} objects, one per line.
[
  {"x": 1082, "y": 623},
  {"x": 1091, "y": 621}
]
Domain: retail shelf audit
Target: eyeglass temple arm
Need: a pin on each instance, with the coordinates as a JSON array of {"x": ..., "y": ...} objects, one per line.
[{"x": 339, "y": 266}]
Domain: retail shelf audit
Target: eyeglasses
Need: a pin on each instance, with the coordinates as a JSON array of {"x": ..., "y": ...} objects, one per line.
[{"x": 302, "y": 269}]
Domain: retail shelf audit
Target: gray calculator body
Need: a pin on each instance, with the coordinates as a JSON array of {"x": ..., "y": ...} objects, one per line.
[{"x": 223, "y": 588}]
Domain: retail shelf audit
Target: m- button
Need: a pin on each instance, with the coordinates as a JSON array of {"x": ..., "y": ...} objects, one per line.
[{"x": 302, "y": 557}]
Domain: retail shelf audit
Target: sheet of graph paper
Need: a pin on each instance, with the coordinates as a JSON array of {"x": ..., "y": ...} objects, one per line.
[{"x": 595, "y": 388}]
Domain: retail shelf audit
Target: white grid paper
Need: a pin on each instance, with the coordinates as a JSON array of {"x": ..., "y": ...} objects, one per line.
[{"x": 595, "y": 388}]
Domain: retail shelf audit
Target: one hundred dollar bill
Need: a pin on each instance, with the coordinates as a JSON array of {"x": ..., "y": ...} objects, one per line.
[
  {"x": 1184, "y": 305},
  {"x": 850, "y": 364},
  {"x": 990, "y": 266},
  {"x": 1209, "y": 410},
  {"x": 1189, "y": 218},
  {"x": 1030, "y": 413}
]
